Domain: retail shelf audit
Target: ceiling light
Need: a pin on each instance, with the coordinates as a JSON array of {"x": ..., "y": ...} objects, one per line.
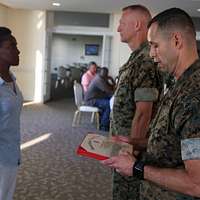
[
  {"x": 56, "y": 4},
  {"x": 198, "y": 9}
]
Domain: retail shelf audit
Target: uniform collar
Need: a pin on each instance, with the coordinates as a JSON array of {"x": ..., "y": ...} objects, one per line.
[
  {"x": 140, "y": 48},
  {"x": 188, "y": 72}
]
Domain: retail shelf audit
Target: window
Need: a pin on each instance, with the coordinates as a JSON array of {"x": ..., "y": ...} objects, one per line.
[{"x": 91, "y": 49}]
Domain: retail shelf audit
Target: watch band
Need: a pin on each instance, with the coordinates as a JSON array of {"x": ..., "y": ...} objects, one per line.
[{"x": 138, "y": 169}]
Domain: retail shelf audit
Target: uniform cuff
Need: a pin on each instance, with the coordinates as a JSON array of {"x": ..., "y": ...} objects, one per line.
[
  {"x": 146, "y": 94},
  {"x": 190, "y": 149}
]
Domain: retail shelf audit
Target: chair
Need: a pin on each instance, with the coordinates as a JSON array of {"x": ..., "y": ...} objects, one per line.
[
  {"x": 78, "y": 94},
  {"x": 63, "y": 76},
  {"x": 76, "y": 73}
]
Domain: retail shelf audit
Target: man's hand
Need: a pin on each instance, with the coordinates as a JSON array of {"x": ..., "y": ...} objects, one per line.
[{"x": 123, "y": 163}]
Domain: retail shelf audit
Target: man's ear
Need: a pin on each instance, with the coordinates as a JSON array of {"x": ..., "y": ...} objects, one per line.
[
  {"x": 177, "y": 40},
  {"x": 137, "y": 25}
]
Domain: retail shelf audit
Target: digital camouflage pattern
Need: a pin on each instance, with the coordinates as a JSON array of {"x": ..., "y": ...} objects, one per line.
[
  {"x": 138, "y": 74},
  {"x": 125, "y": 188},
  {"x": 174, "y": 132}
]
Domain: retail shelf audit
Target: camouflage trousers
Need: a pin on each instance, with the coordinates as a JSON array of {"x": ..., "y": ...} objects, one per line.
[
  {"x": 151, "y": 191},
  {"x": 125, "y": 188}
]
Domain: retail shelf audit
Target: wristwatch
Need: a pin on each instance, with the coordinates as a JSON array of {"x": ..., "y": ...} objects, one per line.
[{"x": 138, "y": 169}]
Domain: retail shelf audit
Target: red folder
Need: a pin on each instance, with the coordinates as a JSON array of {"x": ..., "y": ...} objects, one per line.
[
  {"x": 83, "y": 152},
  {"x": 100, "y": 147}
]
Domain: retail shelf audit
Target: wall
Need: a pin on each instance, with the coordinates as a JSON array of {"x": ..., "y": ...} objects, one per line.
[
  {"x": 29, "y": 29},
  {"x": 3, "y": 15},
  {"x": 61, "y": 26},
  {"x": 196, "y": 21},
  {"x": 67, "y": 49},
  {"x": 81, "y": 19}
]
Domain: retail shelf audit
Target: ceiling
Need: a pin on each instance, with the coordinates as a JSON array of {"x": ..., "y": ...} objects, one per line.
[{"x": 104, "y": 6}]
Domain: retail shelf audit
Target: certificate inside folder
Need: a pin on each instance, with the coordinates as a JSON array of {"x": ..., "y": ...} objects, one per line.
[{"x": 100, "y": 147}]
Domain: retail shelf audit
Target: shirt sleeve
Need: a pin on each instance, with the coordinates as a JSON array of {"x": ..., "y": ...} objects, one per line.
[
  {"x": 148, "y": 83},
  {"x": 85, "y": 82},
  {"x": 187, "y": 125}
]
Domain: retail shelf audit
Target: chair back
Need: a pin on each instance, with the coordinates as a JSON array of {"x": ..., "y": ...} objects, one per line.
[
  {"x": 78, "y": 94},
  {"x": 62, "y": 72},
  {"x": 75, "y": 73}
]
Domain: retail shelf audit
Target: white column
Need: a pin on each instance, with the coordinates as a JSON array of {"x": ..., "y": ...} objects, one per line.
[{"x": 106, "y": 51}]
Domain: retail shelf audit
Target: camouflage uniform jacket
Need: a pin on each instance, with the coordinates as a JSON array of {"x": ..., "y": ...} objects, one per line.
[
  {"x": 139, "y": 80},
  {"x": 175, "y": 132}
]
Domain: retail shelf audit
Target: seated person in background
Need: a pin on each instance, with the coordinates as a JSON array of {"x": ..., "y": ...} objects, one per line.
[
  {"x": 89, "y": 75},
  {"x": 111, "y": 81},
  {"x": 99, "y": 94}
]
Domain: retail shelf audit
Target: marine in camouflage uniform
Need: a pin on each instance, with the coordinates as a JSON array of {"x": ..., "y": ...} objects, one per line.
[
  {"x": 175, "y": 132},
  {"x": 139, "y": 80}
]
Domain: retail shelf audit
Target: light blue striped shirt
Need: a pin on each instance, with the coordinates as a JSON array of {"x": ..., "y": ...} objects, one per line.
[{"x": 10, "y": 108}]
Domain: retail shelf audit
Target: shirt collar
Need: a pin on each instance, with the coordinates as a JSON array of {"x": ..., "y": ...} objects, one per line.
[
  {"x": 90, "y": 73},
  {"x": 2, "y": 81}
]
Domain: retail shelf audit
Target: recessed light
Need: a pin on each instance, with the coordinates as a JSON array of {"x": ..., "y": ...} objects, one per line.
[
  {"x": 198, "y": 9},
  {"x": 56, "y": 4}
]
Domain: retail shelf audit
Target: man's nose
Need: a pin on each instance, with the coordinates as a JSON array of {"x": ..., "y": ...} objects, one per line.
[
  {"x": 152, "y": 52},
  {"x": 18, "y": 52}
]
